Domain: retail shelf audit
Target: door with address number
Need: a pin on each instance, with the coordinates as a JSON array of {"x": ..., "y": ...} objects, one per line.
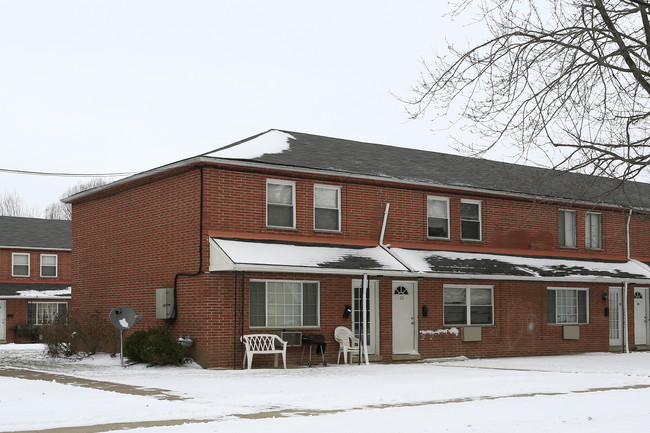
[{"x": 404, "y": 317}]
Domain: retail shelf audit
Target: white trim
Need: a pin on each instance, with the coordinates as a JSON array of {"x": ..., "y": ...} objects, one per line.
[
  {"x": 293, "y": 202},
  {"x": 18, "y": 247},
  {"x": 446, "y": 200},
  {"x": 56, "y": 266},
  {"x": 480, "y": 219},
  {"x": 13, "y": 265},
  {"x": 577, "y": 322},
  {"x": 468, "y": 305},
  {"x": 338, "y": 200}
]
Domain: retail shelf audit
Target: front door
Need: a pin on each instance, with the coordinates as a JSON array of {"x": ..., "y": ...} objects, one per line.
[
  {"x": 372, "y": 315},
  {"x": 3, "y": 320},
  {"x": 404, "y": 317},
  {"x": 641, "y": 316},
  {"x": 615, "y": 316}
]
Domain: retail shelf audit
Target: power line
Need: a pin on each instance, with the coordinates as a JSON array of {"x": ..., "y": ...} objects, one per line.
[{"x": 45, "y": 173}]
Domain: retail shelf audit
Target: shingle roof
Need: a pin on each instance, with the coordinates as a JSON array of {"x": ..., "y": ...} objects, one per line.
[
  {"x": 35, "y": 233},
  {"x": 440, "y": 169}
]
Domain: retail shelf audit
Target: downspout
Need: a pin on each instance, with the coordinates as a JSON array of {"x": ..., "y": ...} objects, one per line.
[
  {"x": 234, "y": 334},
  {"x": 364, "y": 343},
  {"x": 383, "y": 225},
  {"x": 626, "y": 343},
  {"x": 192, "y": 274}
]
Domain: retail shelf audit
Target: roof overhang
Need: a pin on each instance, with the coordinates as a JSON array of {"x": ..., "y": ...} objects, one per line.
[{"x": 35, "y": 291}]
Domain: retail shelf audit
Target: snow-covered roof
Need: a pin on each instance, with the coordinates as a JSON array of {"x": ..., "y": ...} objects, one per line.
[
  {"x": 239, "y": 254},
  {"x": 276, "y": 256},
  {"x": 452, "y": 263},
  {"x": 354, "y": 158},
  {"x": 35, "y": 291}
]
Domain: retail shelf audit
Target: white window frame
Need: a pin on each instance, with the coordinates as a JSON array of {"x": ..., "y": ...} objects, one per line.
[
  {"x": 337, "y": 189},
  {"x": 479, "y": 220},
  {"x": 56, "y": 265},
  {"x": 267, "y": 313},
  {"x": 270, "y": 182},
  {"x": 562, "y": 227},
  {"x": 433, "y": 198},
  {"x": 43, "y": 312},
  {"x": 591, "y": 234},
  {"x": 468, "y": 304},
  {"x": 563, "y": 315},
  {"x": 13, "y": 264}
]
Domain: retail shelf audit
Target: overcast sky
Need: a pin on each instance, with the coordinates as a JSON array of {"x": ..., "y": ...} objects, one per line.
[{"x": 125, "y": 86}]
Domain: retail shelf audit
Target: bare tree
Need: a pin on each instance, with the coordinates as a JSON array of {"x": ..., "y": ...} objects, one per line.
[
  {"x": 63, "y": 211},
  {"x": 568, "y": 77},
  {"x": 13, "y": 205}
]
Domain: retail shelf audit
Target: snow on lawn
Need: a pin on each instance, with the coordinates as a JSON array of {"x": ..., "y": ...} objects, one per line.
[{"x": 578, "y": 393}]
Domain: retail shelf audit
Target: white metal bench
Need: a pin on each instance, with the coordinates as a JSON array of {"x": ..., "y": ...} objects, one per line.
[{"x": 263, "y": 344}]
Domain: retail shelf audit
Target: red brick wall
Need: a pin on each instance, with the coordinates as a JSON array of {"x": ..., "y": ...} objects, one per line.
[
  {"x": 64, "y": 266},
  {"x": 128, "y": 244}
]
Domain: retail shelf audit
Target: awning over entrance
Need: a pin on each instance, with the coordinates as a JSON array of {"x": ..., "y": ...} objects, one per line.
[
  {"x": 34, "y": 291},
  {"x": 496, "y": 266},
  {"x": 277, "y": 256}
]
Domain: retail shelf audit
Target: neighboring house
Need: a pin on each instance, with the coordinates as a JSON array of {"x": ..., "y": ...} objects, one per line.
[
  {"x": 35, "y": 274},
  {"x": 277, "y": 232}
]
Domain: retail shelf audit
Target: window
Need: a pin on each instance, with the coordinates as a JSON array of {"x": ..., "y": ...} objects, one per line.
[
  {"x": 438, "y": 217},
  {"x": 49, "y": 265},
  {"x": 41, "y": 313},
  {"x": 468, "y": 305},
  {"x": 567, "y": 226},
  {"x": 593, "y": 239},
  {"x": 567, "y": 306},
  {"x": 20, "y": 265},
  {"x": 280, "y": 204},
  {"x": 470, "y": 220},
  {"x": 327, "y": 207},
  {"x": 284, "y": 304}
]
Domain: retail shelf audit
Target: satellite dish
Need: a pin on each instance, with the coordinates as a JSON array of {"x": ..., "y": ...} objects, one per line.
[{"x": 123, "y": 318}]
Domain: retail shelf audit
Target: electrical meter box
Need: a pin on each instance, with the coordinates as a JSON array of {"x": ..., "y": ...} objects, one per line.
[{"x": 165, "y": 303}]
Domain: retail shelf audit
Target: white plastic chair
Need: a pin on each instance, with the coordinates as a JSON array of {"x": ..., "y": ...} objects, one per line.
[{"x": 347, "y": 343}]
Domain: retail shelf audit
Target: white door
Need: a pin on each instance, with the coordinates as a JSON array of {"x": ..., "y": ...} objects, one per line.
[
  {"x": 404, "y": 317},
  {"x": 615, "y": 316},
  {"x": 372, "y": 315},
  {"x": 640, "y": 316},
  {"x": 3, "y": 320}
]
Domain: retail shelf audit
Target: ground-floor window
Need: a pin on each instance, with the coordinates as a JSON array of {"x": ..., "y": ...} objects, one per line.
[
  {"x": 41, "y": 313},
  {"x": 284, "y": 304},
  {"x": 567, "y": 306},
  {"x": 468, "y": 305}
]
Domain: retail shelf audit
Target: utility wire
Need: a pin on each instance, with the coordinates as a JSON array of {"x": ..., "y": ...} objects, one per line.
[{"x": 45, "y": 173}]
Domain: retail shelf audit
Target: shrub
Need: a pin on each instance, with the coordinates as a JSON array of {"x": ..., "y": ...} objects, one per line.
[
  {"x": 155, "y": 346},
  {"x": 79, "y": 334}
]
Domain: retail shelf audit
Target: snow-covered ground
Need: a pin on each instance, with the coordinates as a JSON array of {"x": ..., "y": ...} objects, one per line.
[{"x": 599, "y": 392}]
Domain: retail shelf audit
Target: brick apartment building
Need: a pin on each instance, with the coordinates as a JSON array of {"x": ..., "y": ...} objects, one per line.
[
  {"x": 35, "y": 274},
  {"x": 275, "y": 233}
]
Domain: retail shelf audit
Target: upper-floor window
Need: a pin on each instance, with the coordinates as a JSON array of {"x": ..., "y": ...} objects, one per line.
[
  {"x": 467, "y": 305},
  {"x": 20, "y": 265},
  {"x": 438, "y": 217},
  {"x": 567, "y": 306},
  {"x": 284, "y": 304},
  {"x": 280, "y": 203},
  {"x": 49, "y": 266},
  {"x": 470, "y": 220},
  {"x": 593, "y": 238},
  {"x": 567, "y": 228},
  {"x": 327, "y": 207}
]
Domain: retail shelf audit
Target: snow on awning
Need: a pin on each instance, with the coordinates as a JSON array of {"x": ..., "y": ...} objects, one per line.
[
  {"x": 34, "y": 291},
  {"x": 454, "y": 264},
  {"x": 276, "y": 256}
]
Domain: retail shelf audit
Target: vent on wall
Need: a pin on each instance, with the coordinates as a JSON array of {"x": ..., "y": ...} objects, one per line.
[{"x": 293, "y": 338}]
